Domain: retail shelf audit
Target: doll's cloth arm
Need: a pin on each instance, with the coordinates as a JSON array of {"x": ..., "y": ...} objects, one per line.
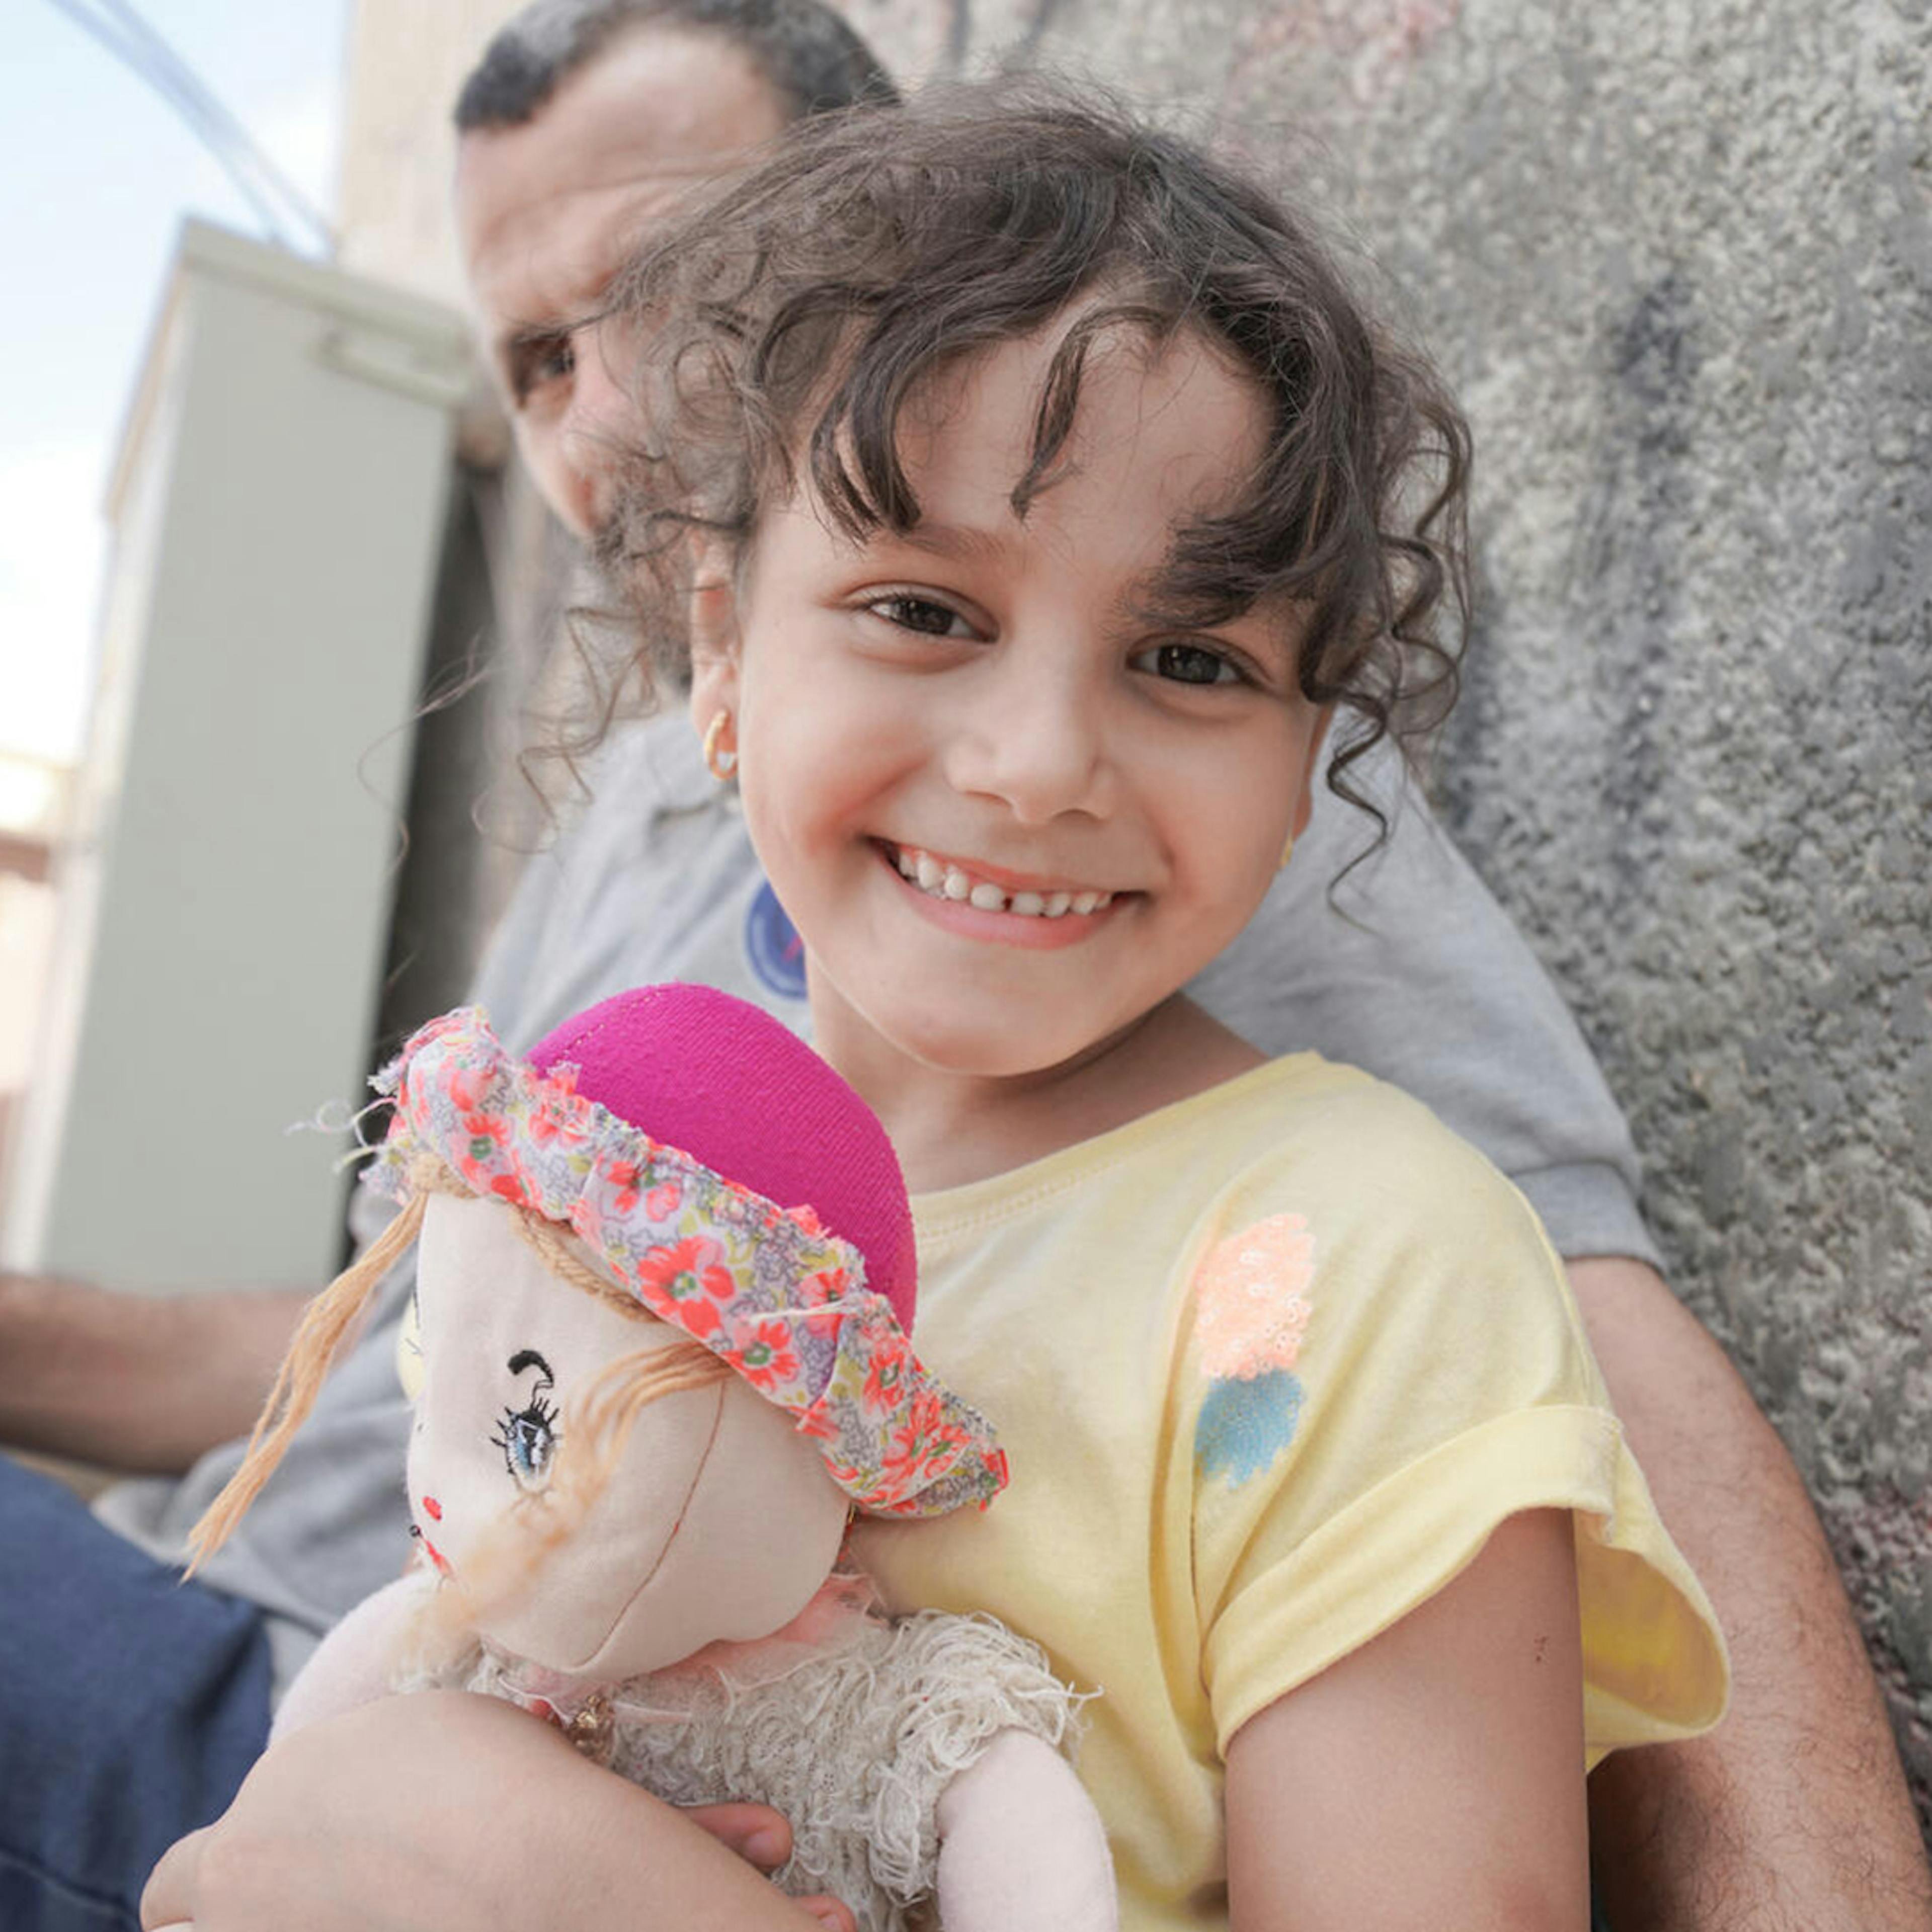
[
  {"x": 1021, "y": 1846},
  {"x": 1433, "y": 1777},
  {"x": 356, "y": 1663}
]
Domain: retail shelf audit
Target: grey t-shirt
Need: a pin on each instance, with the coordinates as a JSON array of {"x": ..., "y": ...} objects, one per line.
[{"x": 1411, "y": 971}]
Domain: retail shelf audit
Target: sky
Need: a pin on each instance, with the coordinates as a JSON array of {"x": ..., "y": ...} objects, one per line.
[{"x": 100, "y": 171}]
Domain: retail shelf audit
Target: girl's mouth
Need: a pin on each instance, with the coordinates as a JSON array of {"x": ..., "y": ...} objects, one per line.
[
  {"x": 950, "y": 880},
  {"x": 1035, "y": 914}
]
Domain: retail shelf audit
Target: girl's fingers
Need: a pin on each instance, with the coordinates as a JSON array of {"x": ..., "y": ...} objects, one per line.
[
  {"x": 829, "y": 1912},
  {"x": 758, "y": 1834},
  {"x": 168, "y": 1898},
  {"x": 763, "y": 1837}
]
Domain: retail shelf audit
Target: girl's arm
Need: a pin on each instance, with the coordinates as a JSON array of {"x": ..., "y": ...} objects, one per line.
[
  {"x": 1435, "y": 1777},
  {"x": 449, "y": 1810}
]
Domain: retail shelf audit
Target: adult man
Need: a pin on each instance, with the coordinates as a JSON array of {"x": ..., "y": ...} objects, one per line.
[{"x": 584, "y": 119}]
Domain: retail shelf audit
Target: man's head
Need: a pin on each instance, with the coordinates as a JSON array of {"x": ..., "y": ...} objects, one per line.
[{"x": 584, "y": 121}]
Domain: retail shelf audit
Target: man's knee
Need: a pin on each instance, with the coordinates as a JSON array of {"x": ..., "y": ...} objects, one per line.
[{"x": 131, "y": 1705}]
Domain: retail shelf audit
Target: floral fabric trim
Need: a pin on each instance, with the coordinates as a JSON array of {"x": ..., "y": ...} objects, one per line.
[
  {"x": 1251, "y": 1310},
  {"x": 766, "y": 1288}
]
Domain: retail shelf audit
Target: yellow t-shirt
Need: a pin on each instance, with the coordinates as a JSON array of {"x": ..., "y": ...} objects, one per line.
[{"x": 1269, "y": 1364}]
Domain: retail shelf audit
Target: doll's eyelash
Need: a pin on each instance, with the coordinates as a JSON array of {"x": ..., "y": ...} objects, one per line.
[
  {"x": 529, "y": 1439},
  {"x": 536, "y": 1410},
  {"x": 540, "y": 1413}
]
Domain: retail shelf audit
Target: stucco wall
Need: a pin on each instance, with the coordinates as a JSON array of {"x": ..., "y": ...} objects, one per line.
[{"x": 1678, "y": 260}]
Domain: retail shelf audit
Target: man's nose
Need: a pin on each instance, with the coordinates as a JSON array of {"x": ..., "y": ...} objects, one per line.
[
  {"x": 601, "y": 382},
  {"x": 597, "y": 425}
]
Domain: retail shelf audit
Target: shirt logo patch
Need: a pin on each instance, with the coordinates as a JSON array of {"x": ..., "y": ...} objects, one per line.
[
  {"x": 773, "y": 946},
  {"x": 1251, "y": 1310}
]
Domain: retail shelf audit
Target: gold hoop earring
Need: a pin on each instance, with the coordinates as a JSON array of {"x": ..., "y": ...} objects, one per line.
[
  {"x": 1287, "y": 854},
  {"x": 717, "y": 761}
]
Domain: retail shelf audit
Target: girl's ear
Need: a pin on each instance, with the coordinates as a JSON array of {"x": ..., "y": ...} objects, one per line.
[
  {"x": 714, "y": 688},
  {"x": 1311, "y": 769},
  {"x": 713, "y": 620}
]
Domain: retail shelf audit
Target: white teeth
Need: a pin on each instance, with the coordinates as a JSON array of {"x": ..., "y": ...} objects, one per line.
[{"x": 950, "y": 882}]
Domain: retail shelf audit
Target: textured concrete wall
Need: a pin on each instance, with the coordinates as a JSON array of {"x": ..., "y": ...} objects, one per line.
[{"x": 1678, "y": 260}]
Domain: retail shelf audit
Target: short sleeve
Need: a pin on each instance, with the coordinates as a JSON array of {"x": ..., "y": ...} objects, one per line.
[
  {"x": 1409, "y": 970},
  {"x": 1371, "y": 1393}
]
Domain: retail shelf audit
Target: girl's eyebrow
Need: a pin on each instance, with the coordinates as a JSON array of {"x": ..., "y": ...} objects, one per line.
[
  {"x": 1147, "y": 603},
  {"x": 527, "y": 1358},
  {"x": 958, "y": 541}
]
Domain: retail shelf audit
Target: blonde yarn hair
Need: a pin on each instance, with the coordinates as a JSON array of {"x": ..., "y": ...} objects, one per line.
[{"x": 600, "y": 1416}]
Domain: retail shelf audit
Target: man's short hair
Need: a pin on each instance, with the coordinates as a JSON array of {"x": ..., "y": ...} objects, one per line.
[{"x": 815, "y": 62}]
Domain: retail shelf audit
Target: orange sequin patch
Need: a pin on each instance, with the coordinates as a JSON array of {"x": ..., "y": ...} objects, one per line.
[{"x": 1251, "y": 1299}]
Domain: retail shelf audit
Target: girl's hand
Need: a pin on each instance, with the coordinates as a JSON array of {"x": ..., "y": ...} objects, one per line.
[
  {"x": 1435, "y": 1777},
  {"x": 445, "y": 1810}
]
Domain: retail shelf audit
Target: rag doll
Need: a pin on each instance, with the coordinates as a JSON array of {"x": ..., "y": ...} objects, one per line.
[{"x": 660, "y": 1340}]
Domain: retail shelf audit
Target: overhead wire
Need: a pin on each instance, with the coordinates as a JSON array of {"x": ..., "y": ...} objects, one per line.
[
  {"x": 120, "y": 27},
  {"x": 216, "y": 110}
]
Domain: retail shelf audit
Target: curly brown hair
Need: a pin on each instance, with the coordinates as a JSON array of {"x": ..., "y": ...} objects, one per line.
[{"x": 787, "y": 321}]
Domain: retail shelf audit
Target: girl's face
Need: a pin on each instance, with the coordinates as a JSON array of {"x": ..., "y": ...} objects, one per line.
[{"x": 1010, "y": 812}]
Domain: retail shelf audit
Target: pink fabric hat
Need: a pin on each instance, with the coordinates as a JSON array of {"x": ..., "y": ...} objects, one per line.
[
  {"x": 731, "y": 1181},
  {"x": 737, "y": 1089}
]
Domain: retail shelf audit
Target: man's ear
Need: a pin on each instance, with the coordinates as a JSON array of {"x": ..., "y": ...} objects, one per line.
[{"x": 1311, "y": 768}]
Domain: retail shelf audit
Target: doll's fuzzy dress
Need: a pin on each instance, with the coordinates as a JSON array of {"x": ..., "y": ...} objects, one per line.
[{"x": 853, "y": 1740}]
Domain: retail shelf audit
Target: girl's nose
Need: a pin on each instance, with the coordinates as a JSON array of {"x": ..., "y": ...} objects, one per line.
[{"x": 1036, "y": 742}]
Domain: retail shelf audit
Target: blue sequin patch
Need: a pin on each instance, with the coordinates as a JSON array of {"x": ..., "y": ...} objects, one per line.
[
  {"x": 1244, "y": 1426},
  {"x": 773, "y": 946}
]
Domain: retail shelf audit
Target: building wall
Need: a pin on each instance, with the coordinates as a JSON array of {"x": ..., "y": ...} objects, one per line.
[
  {"x": 1677, "y": 259},
  {"x": 406, "y": 61}
]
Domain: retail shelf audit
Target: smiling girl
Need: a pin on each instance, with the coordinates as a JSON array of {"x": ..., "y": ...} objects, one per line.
[
  {"x": 1054, "y": 501},
  {"x": 1036, "y": 516}
]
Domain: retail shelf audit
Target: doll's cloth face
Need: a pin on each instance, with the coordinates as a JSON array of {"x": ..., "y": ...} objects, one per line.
[{"x": 719, "y": 1519}]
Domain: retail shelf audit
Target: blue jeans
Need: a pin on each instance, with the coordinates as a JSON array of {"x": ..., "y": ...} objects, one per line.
[{"x": 131, "y": 1706}]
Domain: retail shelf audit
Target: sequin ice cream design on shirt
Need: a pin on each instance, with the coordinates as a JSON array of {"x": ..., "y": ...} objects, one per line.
[{"x": 1251, "y": 1312}]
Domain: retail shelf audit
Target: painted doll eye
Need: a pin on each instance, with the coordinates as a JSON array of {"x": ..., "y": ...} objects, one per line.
[{"x": 528, "y": 1438}]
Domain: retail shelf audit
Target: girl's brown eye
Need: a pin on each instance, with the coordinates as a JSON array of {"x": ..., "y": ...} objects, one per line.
[
  {"x": 917, "y": 613},
  {"x": 1192, "y": 663}
]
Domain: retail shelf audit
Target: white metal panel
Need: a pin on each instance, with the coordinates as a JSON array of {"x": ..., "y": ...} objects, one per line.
[{"x": 279, "y": 511}]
